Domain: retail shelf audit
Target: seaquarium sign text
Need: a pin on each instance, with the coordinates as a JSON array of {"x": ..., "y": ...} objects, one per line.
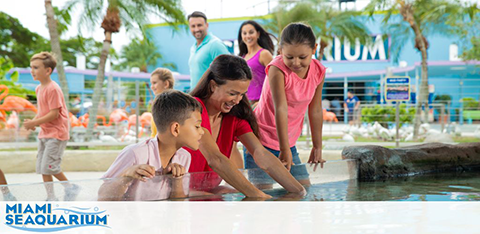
[
  {"x": 52, "y": 218},
  {"x": 337, "y": 51}
]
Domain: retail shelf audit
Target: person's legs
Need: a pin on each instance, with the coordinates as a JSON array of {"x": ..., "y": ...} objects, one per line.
[
  {"x": 2, "y": 178},
  {"x": 47, "y": 182},
  {"x": 7, "y": 196},
  {"x": 53, "y": 153},
  {"x": 41, "y": 169},
  {"x": 350, "y": 118}
]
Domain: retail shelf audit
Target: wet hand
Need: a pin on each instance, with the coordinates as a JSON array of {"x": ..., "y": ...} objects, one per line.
[
  {"x": 316, "y": 158},
  {"x": 140, "y": 172},
  {"x": 175, "y": 169}
]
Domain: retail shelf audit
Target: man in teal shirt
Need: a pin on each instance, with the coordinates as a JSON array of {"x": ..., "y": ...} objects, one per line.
[{"x": 206, "y": 48}]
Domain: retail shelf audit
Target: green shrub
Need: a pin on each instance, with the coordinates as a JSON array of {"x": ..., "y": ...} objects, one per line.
[
  {"x": 470, "y": 103},
  {"x": 386, "y": 114}
]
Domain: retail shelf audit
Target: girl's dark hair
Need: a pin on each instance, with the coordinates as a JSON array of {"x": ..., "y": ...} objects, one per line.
[
  {"x": 265, "y": 40},
  {"x": 228, "y": 67},
  {"x": 298, "y": 33}
]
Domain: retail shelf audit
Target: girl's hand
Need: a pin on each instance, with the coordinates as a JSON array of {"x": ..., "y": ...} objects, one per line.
[
  {"x": 175, "y": 169},
  {"x": 140, "y": 172},
  {"x": 286, "y": 158},
  {"x": 316, "y": 158}
]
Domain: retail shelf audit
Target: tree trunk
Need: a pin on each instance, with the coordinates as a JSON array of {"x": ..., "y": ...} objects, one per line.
[
  {"x": 422, "y": 97},
  {"x": 321, "y": 51},
  {"x": 55, "y": 44},
  {"x": 97, "y": 92}
]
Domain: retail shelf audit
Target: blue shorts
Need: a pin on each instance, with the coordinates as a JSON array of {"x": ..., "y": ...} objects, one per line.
[{"x": 258, "y": 176}]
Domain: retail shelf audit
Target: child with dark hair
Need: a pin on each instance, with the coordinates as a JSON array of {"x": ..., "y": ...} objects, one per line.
[
  {"x": 228, "y": 117},
  {"x": 178, "y": 119},
  {"x": 295, "y": 83}
]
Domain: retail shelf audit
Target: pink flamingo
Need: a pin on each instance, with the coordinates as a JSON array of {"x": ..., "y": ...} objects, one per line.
[
  {"x": 117, "y": 116},
  {"x": 329, "y": 116},
  {"x": 13, "y": 103},
  {"x": 13, "y": 121},
  {"x": 74, "y": 122},
  {"x": 145, "y": 120}
]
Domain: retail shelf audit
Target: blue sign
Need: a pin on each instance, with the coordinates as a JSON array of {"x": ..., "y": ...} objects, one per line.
[{"x": 397, "y": 88}]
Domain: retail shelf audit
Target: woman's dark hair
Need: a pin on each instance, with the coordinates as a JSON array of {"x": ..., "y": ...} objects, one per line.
[
  {"x": 265, "y": 40},
  {"x": 298, "y": 33},
  {"x": 228, "y": 67}
]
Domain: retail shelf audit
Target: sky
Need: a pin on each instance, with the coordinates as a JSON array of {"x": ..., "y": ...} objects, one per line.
[{"x": 31, "y": 13}]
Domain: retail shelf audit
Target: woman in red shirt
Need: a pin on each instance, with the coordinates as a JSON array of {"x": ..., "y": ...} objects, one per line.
[{"x": 228, "y": 117}]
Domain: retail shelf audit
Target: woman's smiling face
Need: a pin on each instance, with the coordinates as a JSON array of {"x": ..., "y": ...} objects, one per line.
[{"x": 225, "y": 97}]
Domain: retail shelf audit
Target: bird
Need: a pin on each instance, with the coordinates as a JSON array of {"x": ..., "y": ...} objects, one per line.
[
  {"x": 348, "y": 138},
  {"x": 13, "y": 121},
  {"x": 106, "y": 138},
  {"x": 477, "y": 132},
  {"x": 329, "y": 116},
  {"x": 14, "y": 103}
]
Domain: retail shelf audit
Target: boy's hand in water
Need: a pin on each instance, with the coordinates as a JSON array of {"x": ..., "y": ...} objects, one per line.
[
  {"x": 140, "y": 172},
  {"x": 175, "y": 169},
  {"x": 316, "y": 158},
  {"x": 285, "y": 157}
]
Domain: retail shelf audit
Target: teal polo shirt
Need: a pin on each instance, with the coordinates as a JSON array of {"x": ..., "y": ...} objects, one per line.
[{"x": 203, "y": 55}]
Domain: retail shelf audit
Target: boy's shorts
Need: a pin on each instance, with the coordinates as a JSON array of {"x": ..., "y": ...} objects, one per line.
[
  {"x": 258, "y": 176},
  {"x": 49, "y": 157}
]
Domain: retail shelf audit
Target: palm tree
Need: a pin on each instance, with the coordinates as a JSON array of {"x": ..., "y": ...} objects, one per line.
[
  {"x": 55, "y": 44},
  {"x": 128, "y": 12},
  {"x": 326, "y": 21},
  {"x": 139, "y": 53},
  {"x": 421, "y": 18}
]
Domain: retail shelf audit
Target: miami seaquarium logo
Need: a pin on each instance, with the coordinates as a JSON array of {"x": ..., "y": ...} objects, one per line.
[{"x": 52, "y": 218}]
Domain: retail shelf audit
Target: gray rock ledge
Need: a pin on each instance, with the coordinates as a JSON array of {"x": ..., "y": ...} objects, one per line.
[{"x": 376, "y": 162}]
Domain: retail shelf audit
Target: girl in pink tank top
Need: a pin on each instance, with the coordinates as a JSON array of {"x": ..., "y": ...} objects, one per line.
[
  {"x": 295, "y": 83},
  {"x": 256, "y": 47}
]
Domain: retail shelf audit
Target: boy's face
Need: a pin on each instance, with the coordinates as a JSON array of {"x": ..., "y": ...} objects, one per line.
[
  {"x": 191, "y": 131},
  {"x": 39, "y": 71}
]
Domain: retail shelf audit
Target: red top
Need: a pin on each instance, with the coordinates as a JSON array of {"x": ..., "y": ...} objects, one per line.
[{"x": 231, "y": 128}]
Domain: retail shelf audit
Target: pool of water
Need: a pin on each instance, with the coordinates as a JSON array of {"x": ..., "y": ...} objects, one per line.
[
  {"x": 431, "y": 187},
  {"x": 336, "y": 181}
]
